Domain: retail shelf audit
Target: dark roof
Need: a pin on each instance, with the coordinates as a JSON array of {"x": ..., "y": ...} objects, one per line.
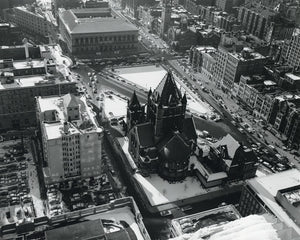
[
  {"x": 244, "y": 155},
  {"x": 134, "y": 102},
  {"x": 145, "y": 134},
  {"x": 79, "y": 231},
  {"x": 118, "y": 235},
  {"x": 175, "y": 150},
  {"x": 189, "y": 129},
  {"x": 167, "y": 92}
]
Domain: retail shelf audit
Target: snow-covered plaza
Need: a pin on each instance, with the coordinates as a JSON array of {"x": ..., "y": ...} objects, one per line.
[{"x": 150, "y": 76}]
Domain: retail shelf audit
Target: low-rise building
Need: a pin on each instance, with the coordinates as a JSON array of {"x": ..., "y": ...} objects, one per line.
[
  {"x": 257, "y": 93},
  {"x": 120, "y": 219},
  {"x": 72, "y": 139},
  {"x": 202, "y": 59},
  {"x": 285, "y": 117},
  {"x": 97, "y": 31},
  {"x": 25, "y": 73}
]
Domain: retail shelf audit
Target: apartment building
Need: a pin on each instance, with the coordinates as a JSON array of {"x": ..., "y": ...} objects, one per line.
[
  {"x": 257, "y": 93},
  {"x": 285, "y": 117},
  {"x": 202, "y": 59},
  {"x": 72, "y": 139},
  {"x": 32, "y": 20},
  {"x": 291, "y": 51}
]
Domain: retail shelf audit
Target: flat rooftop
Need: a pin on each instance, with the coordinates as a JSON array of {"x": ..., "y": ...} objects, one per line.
[
  {"x": 54, "y": 130},
  {"x": 210, "y": 218},
  {"x": 293, "y": 76},
  {"x": 30, "y": 81},
  {"x": 267, "y": 187},
  {"x": 28, "y": 64},
  {"x": 77, "y": 25}
]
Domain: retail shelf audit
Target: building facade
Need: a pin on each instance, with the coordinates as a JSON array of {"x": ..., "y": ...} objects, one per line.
[
  {"x": 97, "y": 31},
  {"x": 203, "y": 59},
  {"x": 166, "y": 16},
  {"x": 31, "y": 20},
  {"x": 23, "y": 77},
  {"x": 285, "y": 116},
  {"x": 72, "y": 139},
  {"x": 291, "y": 51},
  {"x": 257, "y": 93}
]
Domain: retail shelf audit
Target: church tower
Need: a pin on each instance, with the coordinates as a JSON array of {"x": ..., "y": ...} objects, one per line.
[
  {"x": 135, "y": 112},
  {"x": 166, "y": 108},
  {"x": 165, "y": 16}
]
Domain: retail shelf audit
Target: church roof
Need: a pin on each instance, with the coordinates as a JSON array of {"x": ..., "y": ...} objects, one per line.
[
  {"x": 145, "y": 134},
  {"x": 189, "y": 129},
  {"x": 134, "y": 102},
  {"x": 230, "y": 142},
  {"x": 175, "y": 150},
  {"x": 167, "y": 91}
]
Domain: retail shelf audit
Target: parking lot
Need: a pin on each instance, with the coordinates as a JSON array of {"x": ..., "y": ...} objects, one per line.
[
  {"x": 82, "y": 193},
  {"x": 18, "y": 178}
]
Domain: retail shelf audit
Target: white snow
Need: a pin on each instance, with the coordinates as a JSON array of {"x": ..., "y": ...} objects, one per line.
[
  {"x": 120, "y": 214},
  {"x": 146, "y": 76},
  {"x": 150, "y": 76},
  {"x": 114, "y": 107},
  {"x": 247, "y": 228},
  {"x": 266, "y": 188},
  {"x": 159, "y": 191}
]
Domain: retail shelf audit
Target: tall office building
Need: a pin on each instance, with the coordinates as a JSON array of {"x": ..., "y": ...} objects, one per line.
[{"x": 166, "y": 16}]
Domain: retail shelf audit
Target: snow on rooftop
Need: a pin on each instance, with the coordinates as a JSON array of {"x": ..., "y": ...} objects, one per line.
[
  {"x": 54, "y": 130},
  {"x": 160, "y": 191},
  {"x": 293, "y": 76},
  {"x": 247, "y": 228},
  {"x": 114, "y": 106},
  {"x": 28, "y": 64},
  {"x": 150, "y": 76},
  {"x": 120, "y": 214},
  {"x": 266, "y": 188},
  {"x": 145, "y": 76},
  {"x": 230, "y": 142}
]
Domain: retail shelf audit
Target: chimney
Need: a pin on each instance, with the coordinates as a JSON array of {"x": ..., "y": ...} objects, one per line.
[
  {"x": 66, "y": 128},
  {"x": 25, "y": 41}
]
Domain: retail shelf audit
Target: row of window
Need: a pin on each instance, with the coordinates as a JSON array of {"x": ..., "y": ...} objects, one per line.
[
  {"x": 104, "y": 48},
  {"x": 92, "y": 40}
]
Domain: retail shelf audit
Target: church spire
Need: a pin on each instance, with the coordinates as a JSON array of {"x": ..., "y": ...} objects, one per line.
[
  {"x": 184, "y": 100},
  {"x": 134, "y": 102},
  {"x": 168, "y": 91}
]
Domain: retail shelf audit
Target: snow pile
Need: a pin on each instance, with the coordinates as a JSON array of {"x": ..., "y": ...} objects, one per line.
[{"x": 247, "y": 228}]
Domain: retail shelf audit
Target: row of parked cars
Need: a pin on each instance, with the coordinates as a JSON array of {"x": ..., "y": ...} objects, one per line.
[
  {"x": 13, "y": 176},
  {"x": 54, "y": 201}
]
